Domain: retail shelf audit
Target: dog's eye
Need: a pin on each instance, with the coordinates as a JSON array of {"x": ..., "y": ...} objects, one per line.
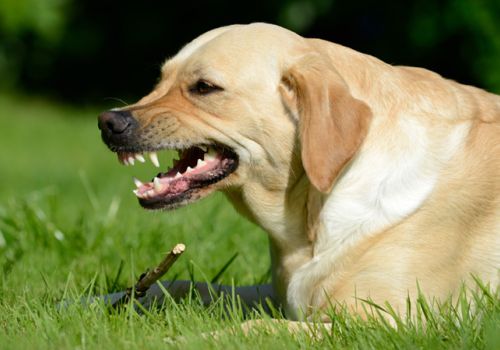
[{"x": 203, "y": 87}]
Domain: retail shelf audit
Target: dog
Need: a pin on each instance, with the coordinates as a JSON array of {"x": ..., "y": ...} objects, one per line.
[{"x": 373, "y": 181}]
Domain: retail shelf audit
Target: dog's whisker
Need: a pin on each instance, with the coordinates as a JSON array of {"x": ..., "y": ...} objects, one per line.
[{"x": 123, "y": 102}]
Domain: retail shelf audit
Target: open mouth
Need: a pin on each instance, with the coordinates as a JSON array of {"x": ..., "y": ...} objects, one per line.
[{"x": 190, "y": 178}]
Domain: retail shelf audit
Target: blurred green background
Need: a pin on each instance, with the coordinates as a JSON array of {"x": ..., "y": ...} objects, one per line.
[{"x": 87, "y": 52}]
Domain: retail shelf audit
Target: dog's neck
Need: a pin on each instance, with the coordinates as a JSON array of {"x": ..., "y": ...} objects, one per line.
[{"x": 284, "y": 216}]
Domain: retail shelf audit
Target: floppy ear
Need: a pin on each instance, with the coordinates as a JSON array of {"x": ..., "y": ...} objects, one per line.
[{"x": 332, "y": 123}]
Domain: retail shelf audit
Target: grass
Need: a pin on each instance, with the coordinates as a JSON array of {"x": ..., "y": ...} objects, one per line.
[{"x": 69, "y": 224}]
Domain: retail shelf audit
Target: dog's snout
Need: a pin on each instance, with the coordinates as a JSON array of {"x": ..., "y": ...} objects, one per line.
[{"x": 115, "y": 122}]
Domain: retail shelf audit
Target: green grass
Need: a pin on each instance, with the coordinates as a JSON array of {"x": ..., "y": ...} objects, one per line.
[{"x": 68, "y": 221}]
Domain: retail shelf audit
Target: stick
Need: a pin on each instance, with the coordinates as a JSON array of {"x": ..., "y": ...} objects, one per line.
[{"x": 148, "y": 278}]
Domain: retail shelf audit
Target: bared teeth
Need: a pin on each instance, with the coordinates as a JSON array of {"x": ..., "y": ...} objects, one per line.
[
  {"x": 147, "y": 194},
  {"x": 140, "y": 157},
  {"x": 158, "y": 186},
  {"x": 154, "y": 159},
  {"x": 137, "y": 182},
  {"x": 129, "y": 158}
]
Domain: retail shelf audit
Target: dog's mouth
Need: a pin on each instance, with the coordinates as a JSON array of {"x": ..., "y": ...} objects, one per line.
[{"x": 192, "y": 176}]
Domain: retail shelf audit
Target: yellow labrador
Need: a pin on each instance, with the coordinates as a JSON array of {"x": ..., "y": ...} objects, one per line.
[{"x": 371, "y": 180}]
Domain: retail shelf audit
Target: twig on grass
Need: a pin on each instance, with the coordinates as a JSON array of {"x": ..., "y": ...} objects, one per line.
[{"x": 148, "y": 278}]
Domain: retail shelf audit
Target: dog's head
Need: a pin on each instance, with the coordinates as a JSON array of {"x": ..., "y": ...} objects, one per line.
[{"x": 252, "y": 105}]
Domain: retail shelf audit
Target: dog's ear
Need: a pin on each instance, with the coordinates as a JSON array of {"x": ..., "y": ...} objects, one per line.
[{"x": 332, "y": 123}]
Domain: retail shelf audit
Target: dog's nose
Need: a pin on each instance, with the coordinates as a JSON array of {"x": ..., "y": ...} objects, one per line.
[
  {"x": 115, "y": 122},
  {"x": 118, "y": 128}
]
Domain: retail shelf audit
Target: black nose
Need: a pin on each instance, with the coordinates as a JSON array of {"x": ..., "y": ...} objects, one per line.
[
  {"x": 118, "y": 129},
  {"x": 115, "y": 122}
]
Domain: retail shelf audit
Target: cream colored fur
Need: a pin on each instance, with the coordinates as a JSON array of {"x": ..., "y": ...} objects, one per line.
[{"x": 414, "y": 199}]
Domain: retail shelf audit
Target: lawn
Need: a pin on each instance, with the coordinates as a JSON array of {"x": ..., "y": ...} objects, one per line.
[{"x": 70, "y": 227}]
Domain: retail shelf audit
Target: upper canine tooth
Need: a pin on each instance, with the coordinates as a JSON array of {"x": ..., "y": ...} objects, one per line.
[
  {"x": 131, "y": 160},
  {"x": 137, "y": 182},
  {"x": 125, "y": 161},
  {"x": 200, "y": 163},
  {"x": 157, "y": 184},
  {"x": 204, "y": 148},
  {"x": 140, "y": 158},
  {"x": 154, "y": 159}
]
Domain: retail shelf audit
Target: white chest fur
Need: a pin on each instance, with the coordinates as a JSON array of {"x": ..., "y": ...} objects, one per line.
[{"x": 390, "y": 178}]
